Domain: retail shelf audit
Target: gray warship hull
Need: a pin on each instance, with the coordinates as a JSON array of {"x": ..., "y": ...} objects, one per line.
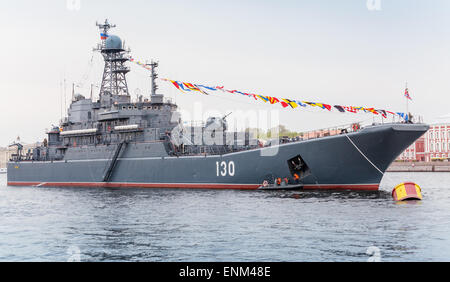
[{"x": 348, "y": 161}]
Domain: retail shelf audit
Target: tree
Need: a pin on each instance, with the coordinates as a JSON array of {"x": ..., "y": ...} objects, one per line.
[{"x": 281, "y": 130}]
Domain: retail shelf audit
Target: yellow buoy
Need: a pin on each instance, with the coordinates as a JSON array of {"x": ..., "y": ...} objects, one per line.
[{"x": 407, "y": 191}]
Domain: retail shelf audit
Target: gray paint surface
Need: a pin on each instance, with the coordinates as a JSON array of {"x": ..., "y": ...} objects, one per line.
[{"x": 332, "y": 160}]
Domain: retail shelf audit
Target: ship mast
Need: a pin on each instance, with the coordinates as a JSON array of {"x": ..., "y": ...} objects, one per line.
[
  {"x": 114, "y": 88},
  {"x": 154, "y": 76}
]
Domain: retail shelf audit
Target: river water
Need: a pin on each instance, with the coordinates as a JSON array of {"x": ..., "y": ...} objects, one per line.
[{"x": 97, "y": 224}]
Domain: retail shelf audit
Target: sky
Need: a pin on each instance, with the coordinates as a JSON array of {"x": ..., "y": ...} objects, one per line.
[{"x": 348, "y": 52}]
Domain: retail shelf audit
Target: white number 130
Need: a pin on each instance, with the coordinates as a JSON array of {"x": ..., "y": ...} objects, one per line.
[{"x": 224, "y": 168}]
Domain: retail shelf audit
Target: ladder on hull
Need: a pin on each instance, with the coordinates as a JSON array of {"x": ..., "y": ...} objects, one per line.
[{"x": 113, "y": 161}]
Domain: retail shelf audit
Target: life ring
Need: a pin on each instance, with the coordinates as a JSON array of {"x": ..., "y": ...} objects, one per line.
[{"x": 265, "y": 183}]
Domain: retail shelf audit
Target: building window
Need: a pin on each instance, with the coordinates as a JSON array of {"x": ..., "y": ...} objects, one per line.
[
  {"x": 431, "y": 147},
  {"x": 431, "y": 134}
]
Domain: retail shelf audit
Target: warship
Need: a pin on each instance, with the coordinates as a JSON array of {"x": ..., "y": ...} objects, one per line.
[{"x": 114, "y": 141}]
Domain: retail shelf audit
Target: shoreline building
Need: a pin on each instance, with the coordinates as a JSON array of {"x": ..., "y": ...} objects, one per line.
[
  {"x": 6, "y": 152},
  {"x": 434, "y": 145}
]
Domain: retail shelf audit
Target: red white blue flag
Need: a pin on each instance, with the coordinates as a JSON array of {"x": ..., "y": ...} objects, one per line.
[{"x": 407, "y": 94}]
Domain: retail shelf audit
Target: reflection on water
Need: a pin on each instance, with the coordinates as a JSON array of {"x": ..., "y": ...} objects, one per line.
[{"x": 209, "y": 225}]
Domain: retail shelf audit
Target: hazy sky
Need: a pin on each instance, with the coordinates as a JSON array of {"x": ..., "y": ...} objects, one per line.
[{"x": 336, "y": 52}]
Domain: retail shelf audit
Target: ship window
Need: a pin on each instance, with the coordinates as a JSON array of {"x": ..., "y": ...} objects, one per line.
[
  {"x": 130, "y": 107},
  {"x": 89, "y": 115}
]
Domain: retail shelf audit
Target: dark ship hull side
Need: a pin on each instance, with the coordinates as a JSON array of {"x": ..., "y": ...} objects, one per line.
[{"x": 349, "y": 161}]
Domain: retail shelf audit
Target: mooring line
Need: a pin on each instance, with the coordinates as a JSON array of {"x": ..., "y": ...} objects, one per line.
[{"x": 363, "y": 154}]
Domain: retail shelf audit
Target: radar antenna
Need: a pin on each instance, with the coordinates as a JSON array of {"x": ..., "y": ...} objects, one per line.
[
  {"x": 104, "y": 28},
  {"x": 114, "y": 88}
]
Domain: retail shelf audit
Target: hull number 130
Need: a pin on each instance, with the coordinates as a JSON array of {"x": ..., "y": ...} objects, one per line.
[{"x": 225, "y": 168}]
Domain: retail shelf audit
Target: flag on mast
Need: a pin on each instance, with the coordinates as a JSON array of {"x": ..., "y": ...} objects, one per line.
[{"x": 407, "y": 93}]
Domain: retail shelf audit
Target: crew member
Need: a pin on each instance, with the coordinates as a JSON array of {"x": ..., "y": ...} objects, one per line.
[
  {"x": 296, "y": 178},
  {"x": 278, "y": 181}
]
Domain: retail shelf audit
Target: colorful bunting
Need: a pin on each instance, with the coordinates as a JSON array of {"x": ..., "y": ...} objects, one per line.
[
  {"x": 290, "y": 103},
  {"x": 145, "y": 66},
  {"x": 185, "y": 86},
  {"x": 340, "y": 108},
  {"x": 273, "y": 100},
  {"x": 404, "y": 116}
]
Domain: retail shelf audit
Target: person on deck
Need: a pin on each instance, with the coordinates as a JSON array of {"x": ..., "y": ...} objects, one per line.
[
  {"x": 278, "y": 181},
  {"x": 296, "y": 178}
]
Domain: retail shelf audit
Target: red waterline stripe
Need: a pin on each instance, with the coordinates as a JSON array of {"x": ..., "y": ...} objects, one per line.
[
  {"x": 356, "y": 187},
  {"x": 138, "y": 185}
]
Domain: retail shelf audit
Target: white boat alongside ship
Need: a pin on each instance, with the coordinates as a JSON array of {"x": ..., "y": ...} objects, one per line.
[{"x": 3, "y": 170}]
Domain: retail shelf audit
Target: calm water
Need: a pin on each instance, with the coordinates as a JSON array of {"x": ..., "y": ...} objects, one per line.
[{"x": 60, "y": 224}]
